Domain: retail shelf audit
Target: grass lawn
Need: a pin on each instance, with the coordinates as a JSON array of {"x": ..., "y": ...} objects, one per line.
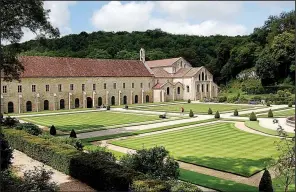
[
  {"x": 219, "y": 146},
  {"x": 285, "y": 113},
  {"x": 80, "y": 121},
  {"x": 255, "y": 125},
  {"x": 48, "y": 112},
  {"x": 278, "y": 186},
  {"x": 214, "y": 182},
  {"x": 201, "y": 108}
]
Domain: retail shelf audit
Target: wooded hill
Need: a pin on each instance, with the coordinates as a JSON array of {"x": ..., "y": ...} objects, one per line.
[{"x": 270, "y": 49}]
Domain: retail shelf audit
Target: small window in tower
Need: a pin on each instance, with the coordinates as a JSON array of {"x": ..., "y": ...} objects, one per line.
[{"x": 19, "y": 88}]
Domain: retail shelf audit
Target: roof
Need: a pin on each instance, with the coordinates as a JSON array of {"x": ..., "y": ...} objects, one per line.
[
  {"x": 159, "y": 72},
  {"x": 40, "y": 66},
  {"x": 162, "y": 62},
  {"x": 183, "y": 72},
  {"x": 158, "y": 85}
]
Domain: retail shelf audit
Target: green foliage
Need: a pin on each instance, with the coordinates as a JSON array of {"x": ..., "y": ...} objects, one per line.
[
  {"x": 270, "y": 114},
  {"x": 10, "y": 121},
  {"x": 290, "y": 104},
  {"x": 126, "y": 106},
  {"x": 217, "y": 115},
  {"x": 73, "y": 134},
  {"x": 29, "y": 128},
  {"x": 6, "y": 153},
  {"x": 65, "y": 140},
  {"x": 268, "y": 104},
  {"x": 189, "y": 101},
  {"x": 178, "y": 186},
  {"x": 210, "y": 112},
  {"x": 265, "y": 184},
  {"x": 191, "y": 114},
  {"x": 149, "y": 185},
  {"x": 235, "y": 113},
  {"x": 53, "y": 130},
  {"x": 108, "y": 107},
  {"x": 253, "y": 117},
  {"x": 222, "y": 99},
  {"x": 155, "y": 162}
]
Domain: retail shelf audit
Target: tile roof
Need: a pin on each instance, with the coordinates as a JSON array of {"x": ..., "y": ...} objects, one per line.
[
  {"x": 159, "y": 72},
  {"x": 158, "y": 85},
  {"x": 162, "y": 62},
  {"x": 40, "y": 66},
  {"x": 183, "y": 72}
]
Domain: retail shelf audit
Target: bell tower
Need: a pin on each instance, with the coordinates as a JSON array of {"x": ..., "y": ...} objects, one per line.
[{"x": 142, "y": 55}]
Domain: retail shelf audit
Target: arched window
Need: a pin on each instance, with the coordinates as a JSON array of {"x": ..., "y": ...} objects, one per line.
[
  {"x": 112, "y": 100},
  {"x": 147, "y": 98},
  {"x": 125, "y": 100},
  {"x": 202, "y": 88},
  {"x": 76, "y": 103},
  {"x": 62, "y": 104},
  {"x": 187, "y": 88},
  {"x": 10, "y": 107},
  {"x": 202, "y": 76},
  {"x": 29, "y": 106},
  {"x": 199, "y": 77},
  {"x": 207, "y": 87},
  {"x": 136, "y": 98},
  {"x": 168, "y": 91},
  {"x": 178, "y": 90},
  {"x": 206, "y": 77},
  {"x": 46, "y": 105}
]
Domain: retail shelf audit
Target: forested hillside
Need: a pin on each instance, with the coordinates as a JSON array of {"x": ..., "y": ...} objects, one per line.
[{"x": 269, "y": 49}]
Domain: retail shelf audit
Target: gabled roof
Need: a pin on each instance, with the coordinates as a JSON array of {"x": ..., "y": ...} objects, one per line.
[
  {"x": 162, "y": 62},
  {"x": 159, "y": 72},
  {"x": 40, "y": 66},
  {"x": 187, "y": 72}
]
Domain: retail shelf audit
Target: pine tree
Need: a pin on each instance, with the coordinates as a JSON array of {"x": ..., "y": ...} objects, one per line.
[
  {"x": 53, "y": 130},
  {"x": 210, "y": 112},
  {"x": 191, "y": 113},
  {"x": 73, "y": 134},
  {"x": 265, "y": 184},
  {"x": 270, "y": 114},
  {"x": 235, "y": 113},
  {"x": 217, "y": 115}
]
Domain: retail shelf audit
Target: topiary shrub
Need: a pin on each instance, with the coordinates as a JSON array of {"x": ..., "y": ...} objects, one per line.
[
  {"x": 290, "y": 104},
  {"x": 191, "y": 113},
  {"x": 210, "y": 112},
  {"x": 73, "y": 134},
  {"x": 235, "y": 113},
  {"x": 189, "y": 101},
  {"x": 265, "y": 184},
  {"x": 29, "y": 128},
  {"x": 53, "y": 130},
  {"x": 268, "y": 104},
  {"x": 253, "y": 117},
  {"x": 217, "y": 115},
  {"x": 270, "y": 114},
  {"x": 126, "y": 106},
  {"x": 108, "y": 107},
  {"x": 10, "y": 121}
]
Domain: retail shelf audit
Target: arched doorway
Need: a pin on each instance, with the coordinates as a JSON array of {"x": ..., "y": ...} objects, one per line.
[
  {"x": 62, "y": 104},
  {"x": 46, "y": 105},
  {"x": 29, "y": 106},
  {"x": 136, "y": 98},
  {"x": 89, "y": 102},
  {"x": 168, "y": 91},
  {"x": 10, "y": 107},
  {"x": 112, "y": 100},
  {"x": 76, "y": 103},
  {"x": 100, "y": 101},
  {"x": 124, "y": 100},
  {"x": 147, "y": 98},
  {"x": 178, "y": 90}
]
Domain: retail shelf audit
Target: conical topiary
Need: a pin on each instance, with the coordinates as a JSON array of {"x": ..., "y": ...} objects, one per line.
[
  {"x": 270, "y": 114},
  {"x": 210, "y": 112},
  {"x": 217, "y": 115},
  {"x": 253, "y": 117},
  {"x": 265, "y": 184},
  {"x": 235, "y": 113},
  {"x": 191, "y": 113},
  {"x": 189, "y": 101},
  {"x": 73, "y": 134},
  {"x": 53, "y": 130}
]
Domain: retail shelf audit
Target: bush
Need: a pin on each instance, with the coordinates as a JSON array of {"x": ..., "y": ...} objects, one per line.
[
  {"x": 235, "y": 113},
  {"x": 222, "y": 99},
  {"x": 232, "y": 99},
  {"x": 265, "y": 184},
  {"x": 217, "y": 115},
  {"x": 10, "y": 122},
  {"x": 126, "y": 106},
  {"x": 210, "y": 112},
  {"x": 189, "y": 101},
  {"x": 290, "y": 104},
  {"x": 53, "y": 130},
  {"x": 268, "y": 104},
  {"x": 191, "y": 113},
  {"x": 270, "y": 114},
  {"x": 108, "y": 107},
  {"x": 6, "y": 153},
  {"x": 149, "y": 185},
  {"x": 65, "y": 140},
  {"x": 73, "y": 134},
  {"x": 180, "y": 186},
  {"x": 29, "y": 128},
  {"x": 253, "y": 117}
]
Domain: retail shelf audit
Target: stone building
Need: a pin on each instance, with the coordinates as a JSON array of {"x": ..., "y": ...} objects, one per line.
[{"x": 53, "y": 83}]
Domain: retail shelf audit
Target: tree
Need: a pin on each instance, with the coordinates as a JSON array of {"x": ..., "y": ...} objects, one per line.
[
  {"x": 6, "y": 153},
  {"x": 73, "y": 134},
  {"x": 191, "y": 114},
  {"x": 217, "y": 115},
  {"x": 210, "y": 112},
  {"x": 99, "y": 54},
  {"x": 53, "y": 130},
  {"x": 270, "y": 114},
  {"x": 154, "y": 162},
  {"x": 235, "y": 113},
  {"x": 265, "y": 184},
  {"x": 253, "y": 117}
]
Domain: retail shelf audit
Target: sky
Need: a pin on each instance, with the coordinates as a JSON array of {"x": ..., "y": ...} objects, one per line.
[{"x": 178, "y": 17}]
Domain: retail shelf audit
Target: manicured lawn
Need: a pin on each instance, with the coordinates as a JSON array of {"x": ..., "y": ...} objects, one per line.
[
  {"x": 220, "y": 146},
  {"x": 80, "y": 121},
  {"x": 214, "y": 182},
  {"x": 285, "y": 113},
  {"x": 255, "y": 125},
  {"x": 196, "y": 107}
]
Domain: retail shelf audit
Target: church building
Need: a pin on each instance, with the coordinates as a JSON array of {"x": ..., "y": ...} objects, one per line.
[{"x": 54, "y": 83}]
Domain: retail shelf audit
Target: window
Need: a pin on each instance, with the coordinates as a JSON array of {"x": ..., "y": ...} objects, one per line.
[
  {"x": 206, "y": 77},
  {"x": 94, "y": 87},
  {"x": 60, "y": 87},
  {"x": 141, "y": 85},
  {"x": 4, "y": 90},
  {"x": 19, "y": 88},
  {"x": 83, "y": 87},
  {"x": 149, "y": 85},
  {"x": 33, "y": 88},
  {"x": 71, "y": 87},
  {"x": 207, "y": 87},
  {"x": 46, "y": 88},
  {"x": 178, "y": 90},
  {"x": 123, "y": 85},
  {"x": 105, "y": 86},
  {"x": 133, "y": 85},
  {"x": 199, "y": 77},
  {"x": 187, "y": 88},
  {"x": 202, "y": 76},
  {"x": 114, "y": 85},
  {"x": 168, "y": 91},
  {"x": 202, "y": 88}
]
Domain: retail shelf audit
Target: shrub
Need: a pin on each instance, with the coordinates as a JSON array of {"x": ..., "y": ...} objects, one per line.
[
  {"x": 6, "y": 153},
  {"x": 31, "y": 128},
  {"x": 150, "y": 185},
  {"x": 73, "y": 134},
  {"x": 53, "y": 130},
  {"x": 270, "y": 114},
  {"x": 10, "y": 122},
  {"x": 191, "y": 113},
  {"x": 217, "y": 115},
  {"x": 108, "y": 107},
  {"x": 268, "y": 104},
  {"x": 290, "y": 104},
  {"x": 232, "y": 99},
  {"x": 265, "y": 184},
  {"x": 253, "y": 117},
  {"x": 126, "y": 106},
  {"x": 189, "y": 101},
  {"x": 179, "y": 186},
  {"x": 222, "y": 99},
  {"x": 210, "y": 112},
  {"x": 65, "y": 140},
  {"x": 235, "y": 113}
]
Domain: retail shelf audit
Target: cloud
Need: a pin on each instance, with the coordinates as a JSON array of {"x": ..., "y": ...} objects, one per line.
[{"x": 195, "y": 18}]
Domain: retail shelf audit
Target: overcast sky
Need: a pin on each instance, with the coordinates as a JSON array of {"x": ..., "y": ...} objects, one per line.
[{"x": 177, "y": 17}]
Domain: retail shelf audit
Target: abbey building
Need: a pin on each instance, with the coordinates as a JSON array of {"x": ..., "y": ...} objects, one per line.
[{"x": 54, "y": 83}]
